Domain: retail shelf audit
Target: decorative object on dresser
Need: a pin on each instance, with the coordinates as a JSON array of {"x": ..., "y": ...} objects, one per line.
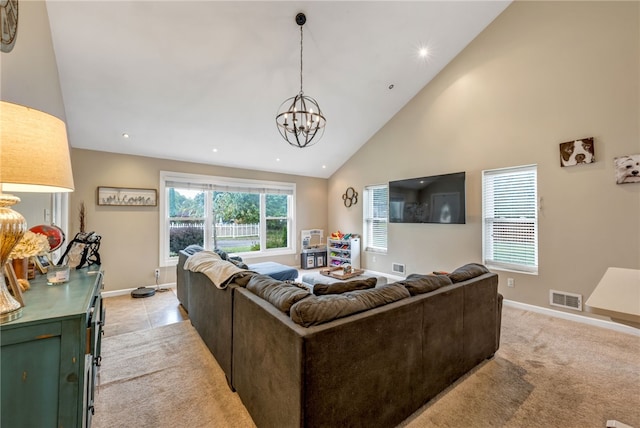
[
  {"x": 30, "y": 245},
  {"x": 82, "y": 251},
  {"x": 30, "y": 140},
  {"x": 54, "y": 235}
]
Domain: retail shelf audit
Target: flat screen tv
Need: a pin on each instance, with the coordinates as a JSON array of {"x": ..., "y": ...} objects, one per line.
[{"x": 434, "y": 199}]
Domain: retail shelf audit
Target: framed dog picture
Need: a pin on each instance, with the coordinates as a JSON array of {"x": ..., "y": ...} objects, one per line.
[
  {"x": 577, "y": 152},
  {"x": 627, "y": 169}
]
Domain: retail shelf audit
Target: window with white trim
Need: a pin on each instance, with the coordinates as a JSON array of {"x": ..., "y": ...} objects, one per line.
[
  {"x": 243, "y": 217},
  {"x": 510, "y": 219},
  {"x": 375, "y": 217}
]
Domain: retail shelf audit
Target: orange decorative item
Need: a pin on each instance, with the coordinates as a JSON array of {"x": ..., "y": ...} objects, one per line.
[{"x": 21, "y": 268}]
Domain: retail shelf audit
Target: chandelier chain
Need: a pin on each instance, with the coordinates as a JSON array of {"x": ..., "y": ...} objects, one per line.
[{"x": 301, "y": 36}]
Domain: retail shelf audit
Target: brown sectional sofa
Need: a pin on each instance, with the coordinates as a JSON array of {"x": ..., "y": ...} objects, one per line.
[{"x": 372, "y": 368}]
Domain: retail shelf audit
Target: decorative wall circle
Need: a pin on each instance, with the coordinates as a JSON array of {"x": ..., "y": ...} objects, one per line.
[{"x": 350, "y": 197}]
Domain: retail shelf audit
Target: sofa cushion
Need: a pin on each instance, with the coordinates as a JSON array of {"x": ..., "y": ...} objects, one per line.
[
  {"x": 420, "y": 284},
  {"x": 468, "y": 271},
  {"x": 316, "y": 310},
  {"x": 280, "y": 294},
  {"x": 342, "y": 287}
]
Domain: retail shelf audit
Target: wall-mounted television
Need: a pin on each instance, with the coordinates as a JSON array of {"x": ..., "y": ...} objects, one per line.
[{"x": 433, "y": 199}]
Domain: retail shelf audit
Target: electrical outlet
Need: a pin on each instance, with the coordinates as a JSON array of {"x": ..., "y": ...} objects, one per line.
[
  {"x": 511, "y": 282},
  {"x": 156, "y": 273}
]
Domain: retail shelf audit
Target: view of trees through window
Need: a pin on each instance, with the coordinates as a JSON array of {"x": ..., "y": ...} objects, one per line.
[{"x": 230, "y": 221}]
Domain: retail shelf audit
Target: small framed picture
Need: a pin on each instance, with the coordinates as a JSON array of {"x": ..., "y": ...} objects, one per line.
[
  {"x": 124, "y": 196},
  {"x": 43, "y": 263},
  {"x": 627, "y": 169},
  {"x": 577, "y": 152},
  {"x": 12, "y": 283}
]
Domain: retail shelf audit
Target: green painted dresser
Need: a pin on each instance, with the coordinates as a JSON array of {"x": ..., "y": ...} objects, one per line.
[{"x": 50, "y": 356}]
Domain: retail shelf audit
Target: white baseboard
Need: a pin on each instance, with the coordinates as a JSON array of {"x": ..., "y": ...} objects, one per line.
[
  {"x": 129, "y": 290},
  {"x": 574, "y": 317}
]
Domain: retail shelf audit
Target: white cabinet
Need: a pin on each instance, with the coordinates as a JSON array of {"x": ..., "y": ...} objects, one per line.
[{"x": 344, "y": 252}]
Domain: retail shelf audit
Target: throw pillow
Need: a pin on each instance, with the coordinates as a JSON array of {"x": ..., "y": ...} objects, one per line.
[
  {"x": 315, "y": 310},
  {"x": 192, "y": 249},
  {"x": 420, "y": 284},
  {"x": 280, "y": 294},
  {"x": 342, "y": 287},
  {"x": 238, "y": 263},
  {"x": 221, "y": 253},
  {"x": 468, "y": 271}
]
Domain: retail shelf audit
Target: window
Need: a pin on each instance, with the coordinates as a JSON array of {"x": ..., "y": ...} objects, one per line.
[
  {"x": 237, "y": 216},
  {"x": 375, "y": 216},
  {"x": 510, "y": 219}
]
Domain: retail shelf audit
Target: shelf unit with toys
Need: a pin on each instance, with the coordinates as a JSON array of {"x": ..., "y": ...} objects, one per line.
[{"x": 343, "y": 249}]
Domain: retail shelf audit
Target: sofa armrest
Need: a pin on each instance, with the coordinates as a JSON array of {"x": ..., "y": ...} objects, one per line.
[{"x": 480, "y": 319}]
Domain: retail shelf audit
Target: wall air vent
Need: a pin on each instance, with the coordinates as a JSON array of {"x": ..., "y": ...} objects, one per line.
[
  {"x": 398, "y": 268},
  {"x": 565, "y": 300}
]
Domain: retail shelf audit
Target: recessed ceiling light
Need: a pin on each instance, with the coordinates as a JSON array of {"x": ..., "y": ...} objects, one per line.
[
  {"x": 214, "y": 150},
  {"x": 125, "y": 135},
  {"x": 423, "y": 51},
  {"x": 277, "y": 159},
  {"x": 324, "y": 167}
]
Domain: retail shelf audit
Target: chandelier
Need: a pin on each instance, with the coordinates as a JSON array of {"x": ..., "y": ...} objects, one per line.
[{"x": 300, "y": 120}]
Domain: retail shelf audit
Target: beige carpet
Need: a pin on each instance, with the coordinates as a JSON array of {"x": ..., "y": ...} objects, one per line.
[
  {"x": 548, "y": 372},
  {"x": 164, "y": 377}
]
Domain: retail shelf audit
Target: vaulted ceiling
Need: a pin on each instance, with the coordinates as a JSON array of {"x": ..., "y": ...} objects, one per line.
[{"x": 202, "y": 81}]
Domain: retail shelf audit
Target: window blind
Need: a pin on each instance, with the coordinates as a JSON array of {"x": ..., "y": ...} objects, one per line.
[
  {"x": 230, "y": 186},
  {"x": 376, "y": 217},
  {"x": 510, "y": 218}
]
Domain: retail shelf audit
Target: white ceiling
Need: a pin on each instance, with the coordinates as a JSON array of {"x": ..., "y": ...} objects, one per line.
[{"x": 185, "y": 77}]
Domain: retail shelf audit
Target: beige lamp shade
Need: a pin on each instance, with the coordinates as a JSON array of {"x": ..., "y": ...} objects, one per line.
[{"x": 34, "y": 152}]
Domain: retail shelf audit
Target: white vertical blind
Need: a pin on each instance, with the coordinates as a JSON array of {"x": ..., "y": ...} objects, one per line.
[
  {"x": 510, "y": 218},
  {"x": 375, "y": 215}
]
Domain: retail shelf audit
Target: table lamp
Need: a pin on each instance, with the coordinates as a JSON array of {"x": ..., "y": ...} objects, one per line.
[{"x": 34, "y": 157}]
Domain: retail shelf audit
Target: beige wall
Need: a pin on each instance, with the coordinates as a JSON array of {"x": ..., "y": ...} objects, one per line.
[
  {"x": 130, "y": 235},
  {"x": 29, "y": 74},
  {"x": 542, "y": 73}
]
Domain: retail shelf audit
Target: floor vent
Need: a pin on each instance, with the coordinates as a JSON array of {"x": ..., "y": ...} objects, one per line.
[
  {"x": 565, "y": 300},
  {"x": 398, "y": 268}
]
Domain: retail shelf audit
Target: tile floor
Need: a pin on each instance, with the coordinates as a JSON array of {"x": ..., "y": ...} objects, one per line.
[{"x": 126, "y": 314}]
